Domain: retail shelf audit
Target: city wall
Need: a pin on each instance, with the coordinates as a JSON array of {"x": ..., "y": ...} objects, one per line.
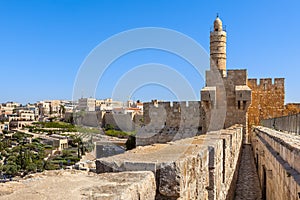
[
  {"x": 86, "y": 118},
  {"x": 202, "y": 167},
  {"x": 277, "y": 158},
  {"x": 118, "y": 121},
  {"x": 267, "y": 100},
  {"x": 169, "y": 121},
  {"x": 290, "y": 123}
]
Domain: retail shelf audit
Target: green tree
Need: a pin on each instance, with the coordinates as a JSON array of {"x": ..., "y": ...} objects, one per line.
[
  {"x": 78, "y": 141},
  {"x": 66, "y": 153},
  {"x": 48, "y": 165},
  {"x": 39, "y": 165},
  {"x": 1, "y": 146},
  {"x": 12, "y": 158},
  {"x": 31, "y": 167},
  {"x": 11, "y": 168}
]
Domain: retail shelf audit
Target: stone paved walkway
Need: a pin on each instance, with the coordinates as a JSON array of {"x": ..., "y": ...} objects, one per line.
[{"x": 247, "y": 187}]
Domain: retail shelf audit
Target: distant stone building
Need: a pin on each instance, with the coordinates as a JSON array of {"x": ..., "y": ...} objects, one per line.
[
  {"x": 16, "y": 124},
  {"x": 8, "y": 107},
  {"x": 107, "y": 104},
  {"x": 4, "y": 126},
  {"x": 44, "y": 108},
  {"x": 87, "y": 104},
  {"x": 49, "y": 107}
]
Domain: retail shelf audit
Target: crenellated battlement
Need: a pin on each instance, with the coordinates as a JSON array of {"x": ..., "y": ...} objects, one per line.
[
  {"x": 168, "y": 121},
  {"x": 172, "y": 104},
  {"x": 171, "y": 113},
  {"x": 266, "y": 83},
  {"x": 267, "y": 99}
]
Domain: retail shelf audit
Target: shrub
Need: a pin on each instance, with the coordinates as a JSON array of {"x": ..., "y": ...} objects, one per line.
[{"x": 120, "y": 134}]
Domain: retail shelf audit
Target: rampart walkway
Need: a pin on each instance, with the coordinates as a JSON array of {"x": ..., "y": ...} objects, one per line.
[{"x": 247, "y": 187}]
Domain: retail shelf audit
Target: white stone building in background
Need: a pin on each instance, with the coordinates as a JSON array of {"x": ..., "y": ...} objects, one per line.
[
  {"x": 87, "y": 104},
  {"x": 107, "y": 104},
  {"x": 8, "y": 107}
]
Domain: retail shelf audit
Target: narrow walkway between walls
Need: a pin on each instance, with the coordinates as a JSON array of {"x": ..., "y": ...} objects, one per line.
[{"x": 248, "y": 187}]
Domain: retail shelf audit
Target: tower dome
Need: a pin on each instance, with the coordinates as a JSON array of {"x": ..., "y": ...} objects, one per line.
[{"x": 217, "y": 24}]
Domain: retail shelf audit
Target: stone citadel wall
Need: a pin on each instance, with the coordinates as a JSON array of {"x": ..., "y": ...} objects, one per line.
[
  {"x": 292, "y": 109},
  {"x": 290, "y": 123},
  {"x": 227, "y": 99},
  {"x": 267, "y": 100},
  {"x": 173, "y": 114},
  {"x": 168, "y": 121},
  {"x": 122, "y": 122},
  {"x": 202, "y": 167},
  {"x": 87, "y": 118},
  {"x": 277, "y": 156}
]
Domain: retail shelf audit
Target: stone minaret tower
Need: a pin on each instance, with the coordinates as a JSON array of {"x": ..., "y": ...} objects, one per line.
[
  {"x": 226, "y": 96},
  {"x": 218, "y": 47}
]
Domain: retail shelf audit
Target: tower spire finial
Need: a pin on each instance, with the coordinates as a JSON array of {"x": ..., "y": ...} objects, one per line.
[{"x": 217, "y": 14}]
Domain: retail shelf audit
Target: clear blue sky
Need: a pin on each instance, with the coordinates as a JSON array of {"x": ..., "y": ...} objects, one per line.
[{"x": 43, "y": 43}]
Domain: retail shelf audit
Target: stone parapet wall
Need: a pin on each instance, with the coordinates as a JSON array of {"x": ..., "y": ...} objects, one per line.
[
  {"x": 289, "y": 123},
  {"x": 202, "y": 167},
  {"x": 73, "y": 184},
  {"x": 277, "y": 156}
]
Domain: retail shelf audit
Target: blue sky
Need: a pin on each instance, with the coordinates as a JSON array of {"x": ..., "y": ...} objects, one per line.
[{"x": 44, "y": 43}]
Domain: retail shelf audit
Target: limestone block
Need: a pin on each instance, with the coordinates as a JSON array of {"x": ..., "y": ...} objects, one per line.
[
  {"x": 190, "y": 168},
  {"x": 82, "y": 185},
  {"x": 276, "y": 152}
]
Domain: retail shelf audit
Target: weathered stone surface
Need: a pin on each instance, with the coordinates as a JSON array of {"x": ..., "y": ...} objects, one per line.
[
  {"x": 277, "y": 156},
  {"x": 170, "y": 121},
  {"x": 82, "y": 185},
  {"x": 193, "y": 168},
  {"x": 118, "y": 121},
  {"x": 290, "y": 123},
  {"x": 247, "y": 186},
  {"x": 224, "y": 102},
  {"x": 228, "y": 104},
  {"x": 267, "y": 100}
]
